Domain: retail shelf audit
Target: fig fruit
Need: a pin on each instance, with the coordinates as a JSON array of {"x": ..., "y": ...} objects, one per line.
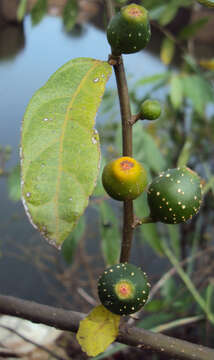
[
  {"x": 123, "y": 288},
  {"x": 150, "y": 110},
  {"x": 124, "y": 178},
  {"x": 175, "y": 196},
  {"x": 129, "y": 30}
]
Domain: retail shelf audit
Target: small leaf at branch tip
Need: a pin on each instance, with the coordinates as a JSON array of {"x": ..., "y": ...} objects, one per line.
[{"x": 92, "y": 340}]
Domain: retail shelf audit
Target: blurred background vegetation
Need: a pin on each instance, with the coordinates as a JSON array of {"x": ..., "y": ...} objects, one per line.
[{"x": 177, "y": 68}]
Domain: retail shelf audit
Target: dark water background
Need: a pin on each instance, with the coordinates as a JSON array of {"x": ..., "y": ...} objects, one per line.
[{"x": 28, "y": 56}]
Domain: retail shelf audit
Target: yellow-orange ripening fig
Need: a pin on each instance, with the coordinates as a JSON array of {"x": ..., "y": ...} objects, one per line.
[
  {"x": 124, "y": 178},
  {"x": 129, "y": 30}
]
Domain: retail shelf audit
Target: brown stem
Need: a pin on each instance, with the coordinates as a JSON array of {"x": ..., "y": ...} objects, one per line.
[
  {"x": 135, "y": 118},
  {"x": 128, "y": 216},
  {"x": 125, "y": 110},
  {"x": 128, "y": 212},
  {"x": 177, "y": 349},
  {"x": 124, "y": 106},
  {"x": 69, "y": 321}
]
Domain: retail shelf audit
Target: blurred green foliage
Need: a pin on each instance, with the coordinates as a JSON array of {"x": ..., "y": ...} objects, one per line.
[
  {"x": 40, "y": 8},
  {"x": 38, "y": 11}
]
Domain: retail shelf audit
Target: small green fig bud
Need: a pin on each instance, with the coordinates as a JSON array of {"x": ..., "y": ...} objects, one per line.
[
  {"x": 175, "y": 196},
  {"x": 123, "y": 288},
  {"x": 150, "y": 110},
  {"x": 124, "y": 178},
  {"x": 129, "y": 30}
]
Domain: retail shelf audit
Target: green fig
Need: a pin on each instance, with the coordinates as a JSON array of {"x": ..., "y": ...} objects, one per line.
[
  {"x": 123, "y": 288},
  {"x": 129, "y": 30},
  {"x": 175, "y": 196},
  {"x": 150, "y": 110}
]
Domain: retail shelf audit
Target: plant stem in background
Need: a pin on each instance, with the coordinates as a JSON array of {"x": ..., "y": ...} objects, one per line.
[
  {"x": 109, "y": 9},
  {"x": 176, "y": 323},
  {"x": 187, "y": 281}
]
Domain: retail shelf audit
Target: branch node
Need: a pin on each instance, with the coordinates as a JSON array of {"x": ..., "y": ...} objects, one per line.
[
  {"x": 135, "y": 118},
  {"x": 136, "y": 222},
  {"x": 144, "y": 220},
  {"x": 114, "y": 60}
]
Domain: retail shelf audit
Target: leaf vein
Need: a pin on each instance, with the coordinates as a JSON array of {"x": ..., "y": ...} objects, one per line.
[{"x": 56, "y": 198}]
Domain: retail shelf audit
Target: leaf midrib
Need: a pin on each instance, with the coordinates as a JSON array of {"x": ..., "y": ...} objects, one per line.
[{"x": 59, "y": 172}]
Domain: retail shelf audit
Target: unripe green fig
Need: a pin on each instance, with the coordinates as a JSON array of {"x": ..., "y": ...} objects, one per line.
[
  {"x": 129, "y": 30},
  {"x": 123, "y": 288},
  {"x": 150, "y": 110},
  {"x": 124, "y": 178},
  {"x": 175, "y": 196}
]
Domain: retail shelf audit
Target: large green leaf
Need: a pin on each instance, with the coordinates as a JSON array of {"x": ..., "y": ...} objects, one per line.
[{"x": 60, "y": 148}]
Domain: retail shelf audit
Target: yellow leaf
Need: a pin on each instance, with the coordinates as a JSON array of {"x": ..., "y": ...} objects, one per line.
[
  {"x": 207, "y": 64},
  {"x": 98, "y": 330},
  {"x": 167, "y": 51}
]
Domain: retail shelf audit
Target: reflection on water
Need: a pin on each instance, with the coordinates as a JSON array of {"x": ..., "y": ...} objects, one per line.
[
  {"x": 11, "y": 40},
  {"x": 44, "y": 48},
  {"x": 47, "y": 47}
]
